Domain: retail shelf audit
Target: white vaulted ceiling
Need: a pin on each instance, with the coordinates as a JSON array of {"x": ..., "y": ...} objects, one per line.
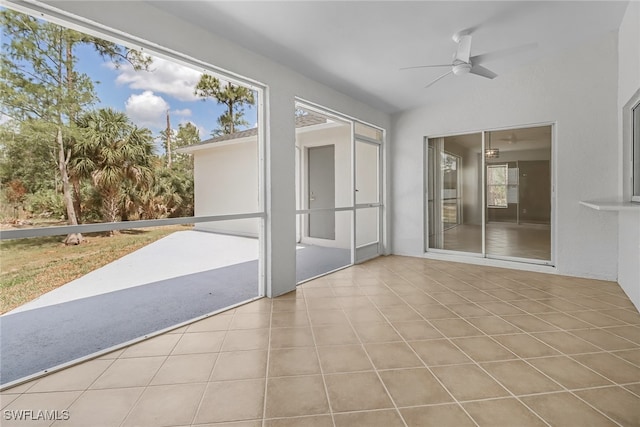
[{"x": 357, "y": 47}]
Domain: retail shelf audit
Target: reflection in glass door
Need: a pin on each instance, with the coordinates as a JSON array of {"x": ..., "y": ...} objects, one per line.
[
  {"x": 518, "y": 189},
  {"x": 454, "y": 215},
  {"x": 450, "y": 190},
  {"x": 491, "y": 197}
]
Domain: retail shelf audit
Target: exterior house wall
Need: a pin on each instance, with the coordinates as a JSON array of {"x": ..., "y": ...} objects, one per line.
[
  {"x": 226, "y": 182},
  {"x": 584, "y": 152},
  {"x": 628, "y": 221}
]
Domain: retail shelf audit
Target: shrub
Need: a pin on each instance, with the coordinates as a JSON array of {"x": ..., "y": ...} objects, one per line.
[{"x": 45, "y": 203}]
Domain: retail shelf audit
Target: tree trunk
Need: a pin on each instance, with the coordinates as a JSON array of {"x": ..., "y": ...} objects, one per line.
[
  {"x": 232, "y": 127},
  {"x": 168, "y": 142},
  {"x": 74, "y": 238},
  {"x": 110, "y": 208},
  {"x": 77, "y": 201}
]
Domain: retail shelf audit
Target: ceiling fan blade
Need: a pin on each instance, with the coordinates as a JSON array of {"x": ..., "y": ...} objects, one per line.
[
  {"x": 498, "y": 54},
  {"x": 481, "y": 71},
  {"x": 464, "y": 49},
  {"x": 424, "y": 66},
  {"x": 439, "y": 78}
]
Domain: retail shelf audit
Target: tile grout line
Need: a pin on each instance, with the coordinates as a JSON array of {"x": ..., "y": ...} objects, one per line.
[
  {"x": 524, "y": 360},
  {"x": 563, "y": 354},
  {"x": 477, "y": 364},
  {"x": 135, "y": 404},
  {"x": 489, "y": 374},
  {"x": 375, "y": 369},
  {"x": 315, "y": 347},
  {"x": 208, "y": 381},
  {"x": 266, "y": 372},
  {"x": 455, "y": 400}
]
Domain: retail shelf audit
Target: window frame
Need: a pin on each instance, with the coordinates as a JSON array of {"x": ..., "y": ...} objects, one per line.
[
  {"x": 85, "y": 26},
  {"x": 635, "y": 153},
  {"x": 631, "y": 149},
  {"x": 504, "y": 166}
]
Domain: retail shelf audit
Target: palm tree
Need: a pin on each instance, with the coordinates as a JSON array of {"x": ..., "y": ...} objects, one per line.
[{"x": 113, "y": 152}]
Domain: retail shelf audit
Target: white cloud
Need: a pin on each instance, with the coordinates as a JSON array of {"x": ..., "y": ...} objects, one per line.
[
  {"x": 163, "y": 77},
  {"x": 184, "y": 113},
  {"x": 147, "y": 109}
]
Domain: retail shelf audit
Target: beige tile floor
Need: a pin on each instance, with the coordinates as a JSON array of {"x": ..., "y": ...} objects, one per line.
[
  {"x": 532, "y": 241},
  {"x": 394, "y": 342}
]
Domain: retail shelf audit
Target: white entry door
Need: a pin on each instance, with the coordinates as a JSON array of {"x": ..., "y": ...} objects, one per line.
[{"x": 322, "y": 191}]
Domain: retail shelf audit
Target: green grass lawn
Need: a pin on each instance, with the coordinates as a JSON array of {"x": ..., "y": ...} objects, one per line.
[{"x": 32, "y": 267}]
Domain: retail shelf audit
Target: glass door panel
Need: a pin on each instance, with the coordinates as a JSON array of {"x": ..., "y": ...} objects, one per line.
[
  {"x": 453, "y": 199},
  {"x": 518, "y": 194},
  {"x": 367, "y": 195}
]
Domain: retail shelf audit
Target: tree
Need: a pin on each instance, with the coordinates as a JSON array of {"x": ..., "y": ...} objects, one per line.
[
  {"x": 232, "y": 96},
  {"x": 28, "y": 155},
  {"x": 188, "y": 134},
  {"x": 114, "y": 152},
  {"x": 172, "y": 192},
  {"x": 15, "y": 194},
  {"x": 39, "y": 80}
]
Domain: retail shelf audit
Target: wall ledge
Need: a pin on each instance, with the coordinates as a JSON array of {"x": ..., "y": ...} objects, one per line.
[{"x": 611, "y": 206}]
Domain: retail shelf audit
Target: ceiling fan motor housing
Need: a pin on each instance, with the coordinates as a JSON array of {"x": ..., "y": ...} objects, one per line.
[{"x": 460, "y": 69}]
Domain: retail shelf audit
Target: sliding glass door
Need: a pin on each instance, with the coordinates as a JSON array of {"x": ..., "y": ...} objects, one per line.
[{"x": 489, "y": 194}]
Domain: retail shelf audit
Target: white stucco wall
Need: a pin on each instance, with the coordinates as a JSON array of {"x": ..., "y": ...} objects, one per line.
[
  {"x": 226, "y": 182},
  {"x": 628, "y": 221},
  {"x": 571, "y": 90},
  {"x": 142, "y": 20}
]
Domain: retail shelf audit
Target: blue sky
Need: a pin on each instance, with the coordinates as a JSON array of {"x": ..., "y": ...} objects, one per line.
[{"x": 146, "y": 95}]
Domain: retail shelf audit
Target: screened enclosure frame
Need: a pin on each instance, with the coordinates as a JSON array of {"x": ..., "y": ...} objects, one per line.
[
  {"x": 53, "y": 15},
  {"x": 369, "y": 250}
]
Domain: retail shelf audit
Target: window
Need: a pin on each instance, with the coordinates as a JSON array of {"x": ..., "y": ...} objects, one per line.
[
  {"x": 635, "y": 170},
  {"x": 497, "y": 181}
]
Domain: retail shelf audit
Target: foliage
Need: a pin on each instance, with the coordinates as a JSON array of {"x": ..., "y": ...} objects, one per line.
[
  {"x": 27, "y": 155},
  {"x": 232, "y": 96},
  {"x": 72, "y": 161},
  {"x": 114, "y": 152},
  {"x": 39, "y": 81},
  {"x": 45, "y": 203},
  {"x": 15, "y": 192}
]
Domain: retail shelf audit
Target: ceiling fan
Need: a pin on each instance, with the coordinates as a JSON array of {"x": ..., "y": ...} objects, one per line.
[
  {"x": 464, "y": 63},
  {"x": 512, "y": 139}
]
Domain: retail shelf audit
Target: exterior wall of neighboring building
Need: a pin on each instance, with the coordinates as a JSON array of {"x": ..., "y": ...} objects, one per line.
[
  {"x": 226, "y": 182},
  {"x": 340, "y": 137}
]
